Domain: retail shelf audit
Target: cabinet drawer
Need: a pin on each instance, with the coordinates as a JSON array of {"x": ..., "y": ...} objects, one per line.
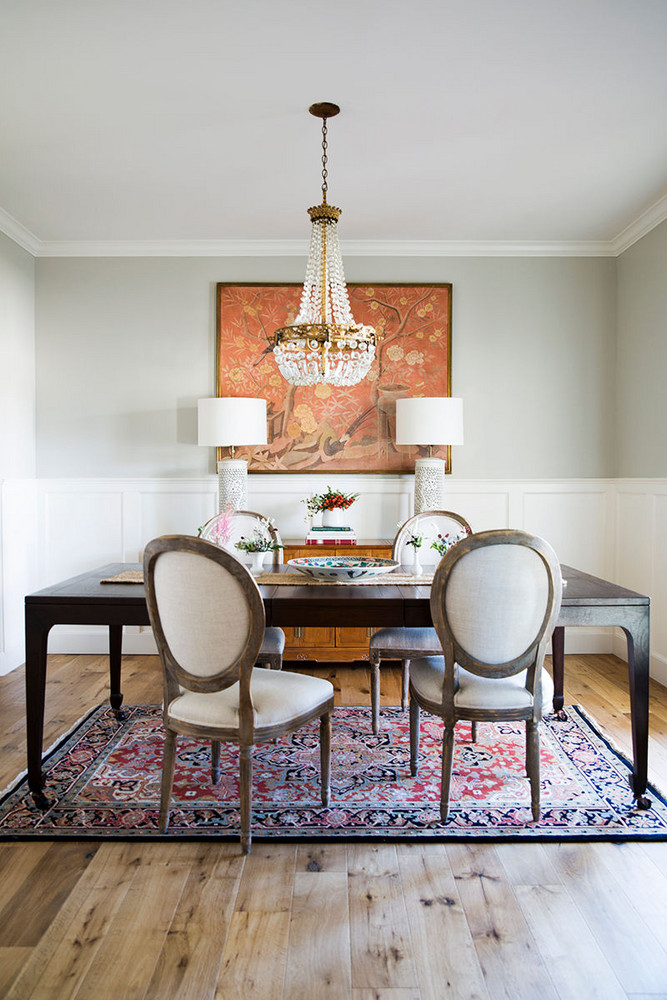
[{"x": 310, "y": 636}]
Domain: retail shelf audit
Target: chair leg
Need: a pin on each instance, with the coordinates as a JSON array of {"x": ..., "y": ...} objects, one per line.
[
  {"x": 246, "y": 797},
  {"x": 447, "y": 759},
  {"x": 414, "y": 736},
  {"x": 533, "y": 765},
  {"x": 375, "y": 696},
  {"x": 473, "y": 732},
  {"x": 325, "y": 756},
  {"x": 405, "y": 683},
  {"x": 168, "y": 763},
  {"x": 215, "y": 761}
]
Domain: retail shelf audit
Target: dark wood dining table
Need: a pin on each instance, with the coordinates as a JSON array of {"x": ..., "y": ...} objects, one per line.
[{"x": 84, "y": 600}]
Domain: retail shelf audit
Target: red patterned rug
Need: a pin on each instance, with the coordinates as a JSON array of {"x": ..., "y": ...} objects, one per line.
[{"x": 103, "y": 780}]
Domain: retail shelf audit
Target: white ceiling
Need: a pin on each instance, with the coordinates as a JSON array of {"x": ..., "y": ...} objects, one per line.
[{"x": 168, "y": 122}]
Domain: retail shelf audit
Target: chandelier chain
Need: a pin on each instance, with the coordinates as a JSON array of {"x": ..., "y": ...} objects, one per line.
[{"x": 324, "y": 160}]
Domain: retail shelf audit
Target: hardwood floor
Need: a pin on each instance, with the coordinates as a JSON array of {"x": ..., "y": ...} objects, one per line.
[{"x": 355, "y": 921}]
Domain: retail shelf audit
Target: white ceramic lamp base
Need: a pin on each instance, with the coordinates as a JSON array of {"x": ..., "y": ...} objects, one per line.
[
  {"x": 429, "y": 484},
  {"x": 232, "y": 484}
]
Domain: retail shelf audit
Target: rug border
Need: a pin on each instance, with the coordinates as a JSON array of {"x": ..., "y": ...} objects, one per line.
[{"x": 593, "y": 836}]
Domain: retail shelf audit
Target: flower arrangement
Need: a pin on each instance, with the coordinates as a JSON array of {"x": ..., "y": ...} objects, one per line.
[
  {"x": 259, "y": 541},
  {"x": 415, "y": 541},
  {"x": 331, "y": 500},
  {"x": 442, "y": 543}
]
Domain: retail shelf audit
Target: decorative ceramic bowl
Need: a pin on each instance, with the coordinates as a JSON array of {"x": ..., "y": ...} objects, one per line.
[{"x": 342, "y": 567}]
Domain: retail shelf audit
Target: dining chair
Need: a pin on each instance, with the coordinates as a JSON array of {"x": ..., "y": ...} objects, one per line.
[
  {"x": 208, "y": 619},
  {"x": 494, "y": 602},
  {"x": 226, "y": 530},
  {"x": 400, "y": 643}
]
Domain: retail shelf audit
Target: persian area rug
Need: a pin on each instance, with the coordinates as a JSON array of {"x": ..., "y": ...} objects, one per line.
[{"x": 103, "y": 780}]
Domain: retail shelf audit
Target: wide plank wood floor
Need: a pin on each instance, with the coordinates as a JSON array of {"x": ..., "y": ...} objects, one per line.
[{"x": 355, "y": 922}]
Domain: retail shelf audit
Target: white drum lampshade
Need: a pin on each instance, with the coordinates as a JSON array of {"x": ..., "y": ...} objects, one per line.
[
  {"x": 225, "y": 422},
  {"x": 429, "y": 420}
]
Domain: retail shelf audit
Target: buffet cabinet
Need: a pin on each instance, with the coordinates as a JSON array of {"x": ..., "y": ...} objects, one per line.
[{"x": 331, "y": 644}]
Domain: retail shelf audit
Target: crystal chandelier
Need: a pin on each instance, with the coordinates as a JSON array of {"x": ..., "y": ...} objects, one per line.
[{"x": 324, "y": 344}]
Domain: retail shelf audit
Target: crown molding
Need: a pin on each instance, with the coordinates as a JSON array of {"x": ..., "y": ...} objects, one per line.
[
  {"x": 647, "y": 221},
  {"x": 651, "y": 218},
  {"x": 299, "y": 248},
  {"x": 12, "y": 228}
]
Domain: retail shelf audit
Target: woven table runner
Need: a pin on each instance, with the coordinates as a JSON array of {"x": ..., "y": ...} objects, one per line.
[{"x": 127, "y": 576}]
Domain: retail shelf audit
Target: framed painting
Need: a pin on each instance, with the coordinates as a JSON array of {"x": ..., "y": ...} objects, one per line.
[{"x": 325, "y": 428}]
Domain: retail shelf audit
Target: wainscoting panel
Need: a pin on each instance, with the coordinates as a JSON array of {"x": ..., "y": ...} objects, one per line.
[
  {"x": 577, "y": 523},
  {"x": 52, "y": 529},
  {"x": 79, "y": 528}
]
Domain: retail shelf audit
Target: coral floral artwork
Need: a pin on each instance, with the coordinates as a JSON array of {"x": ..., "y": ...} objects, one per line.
[{"x": 323, "y": 427}]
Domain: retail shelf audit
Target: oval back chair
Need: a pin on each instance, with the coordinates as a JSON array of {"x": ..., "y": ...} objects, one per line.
[
  {"x": 494, "y": 602},
  {"x": 208, "y": 619}
]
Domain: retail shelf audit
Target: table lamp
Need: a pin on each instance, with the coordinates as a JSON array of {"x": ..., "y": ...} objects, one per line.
[
  {"x": 225, "y": 422},
  {"x": 429, "y": 420}
]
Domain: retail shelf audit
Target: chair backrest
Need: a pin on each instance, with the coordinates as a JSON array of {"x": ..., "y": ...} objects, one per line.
[
  {"x": 207, "y": 615},
  {"x": 227, "y": 528},
  {"x": 434, "y": 526},
  {"x": 494, "y": 602}
]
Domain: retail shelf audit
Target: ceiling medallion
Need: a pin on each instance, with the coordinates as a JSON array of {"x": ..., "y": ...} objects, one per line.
[{"x": 324, "y": 344}]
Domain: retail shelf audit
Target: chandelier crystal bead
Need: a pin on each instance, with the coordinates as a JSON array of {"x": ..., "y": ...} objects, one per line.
[{"x": 324, "y": 344}]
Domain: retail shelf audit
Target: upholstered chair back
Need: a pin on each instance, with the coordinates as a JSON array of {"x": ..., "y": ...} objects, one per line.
[
  {"x": 432, "y": 525},
  {"x": 206, "y": 612},
  {"x": 495, "y": 600}
]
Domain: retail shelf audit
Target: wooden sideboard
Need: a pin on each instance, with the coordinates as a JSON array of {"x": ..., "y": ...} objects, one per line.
[{"x": 331, "y": 644}]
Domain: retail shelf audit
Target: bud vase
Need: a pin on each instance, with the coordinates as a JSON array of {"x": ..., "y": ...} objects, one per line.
[
  {"x": 416, "y": 564},
  {"x": 257, "y": 563}
]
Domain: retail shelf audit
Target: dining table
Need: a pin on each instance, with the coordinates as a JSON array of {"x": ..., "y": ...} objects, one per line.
[{"x": 290, "y": 600}]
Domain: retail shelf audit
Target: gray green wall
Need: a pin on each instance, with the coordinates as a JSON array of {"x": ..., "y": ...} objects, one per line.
[
  {"x": 17, "y": 361},
  {"x": 125, "y": 347},
  {"x": 641, "y": 364}
]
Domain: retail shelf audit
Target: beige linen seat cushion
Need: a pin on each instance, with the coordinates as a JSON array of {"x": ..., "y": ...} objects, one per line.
[
  {"x": 277, "y": 699},
  {"x": 472, "y": 692}
]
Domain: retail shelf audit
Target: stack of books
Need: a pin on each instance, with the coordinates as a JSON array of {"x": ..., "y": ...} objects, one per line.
[{"x": 331, "y": 536}]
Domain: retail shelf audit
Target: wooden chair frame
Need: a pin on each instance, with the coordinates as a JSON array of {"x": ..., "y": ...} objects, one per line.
[
  {"x": 405, "y": 652},
  {"x": 176, "y": 677},
  {"x": 531, "y": 660}
]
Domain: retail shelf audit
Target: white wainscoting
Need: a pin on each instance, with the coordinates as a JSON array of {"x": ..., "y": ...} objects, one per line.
[{"x": 53, "y": 529}]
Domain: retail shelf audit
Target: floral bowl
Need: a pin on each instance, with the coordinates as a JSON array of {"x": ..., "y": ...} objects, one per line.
[{"x": 342, "y": 567}]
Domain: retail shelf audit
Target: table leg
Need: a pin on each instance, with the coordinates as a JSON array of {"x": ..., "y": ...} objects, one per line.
[
  {"x": 558, "y": 664},
  {"x": 115, "y": 656},
  {"x": 638, "y": 680},
  {"x": 36, "y": 640}
]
